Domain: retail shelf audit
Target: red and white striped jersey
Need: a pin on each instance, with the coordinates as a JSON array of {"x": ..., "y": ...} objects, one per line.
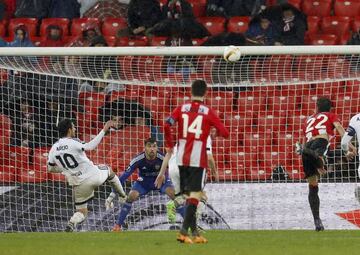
[
  {"x": 194, "y": 123},
  {"x": 321, "y": 123}
]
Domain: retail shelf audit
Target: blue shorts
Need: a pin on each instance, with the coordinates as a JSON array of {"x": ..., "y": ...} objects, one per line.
[{"x": 144, "y": 186}]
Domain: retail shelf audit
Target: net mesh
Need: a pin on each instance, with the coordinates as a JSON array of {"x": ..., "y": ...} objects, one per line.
[{"x": 263, "y": 101}]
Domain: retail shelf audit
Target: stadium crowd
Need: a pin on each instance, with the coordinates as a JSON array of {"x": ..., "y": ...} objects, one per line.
[{"x": 148, "y": 22}]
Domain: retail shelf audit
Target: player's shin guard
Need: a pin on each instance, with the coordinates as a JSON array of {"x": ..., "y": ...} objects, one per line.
[
  {"x": 116, "y": 185},
  {"x": 314, "y": 201},
  {"x": 125, "y": 209},
  {"x": 190, "y": 216}
]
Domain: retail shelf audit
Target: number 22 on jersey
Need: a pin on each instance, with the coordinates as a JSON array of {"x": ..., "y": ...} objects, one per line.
[
  {"x": 195, "y": 126},
  {"x": 320, "y": 120}
]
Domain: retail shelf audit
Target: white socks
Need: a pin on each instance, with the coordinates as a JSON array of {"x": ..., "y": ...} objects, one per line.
[{"x": 77, "y": 218}]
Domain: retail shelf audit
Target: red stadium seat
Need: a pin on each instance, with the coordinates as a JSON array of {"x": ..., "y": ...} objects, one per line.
[
  {"x": 337, "y": 67},
  {"x": 271, "y": 158},
  {"x": 2, "y": 29},
  {"x": 63, "y": 23},
  {"x": 282, "y": 103},
  {"x": 313, "y": 24},
  {"x": 350, "y": 8},
  {"x": 250, "y": 103},
  {"x": 237, "y": 122},
  {"x": 40, "y": 159},
  {"x": 238, "y": 24},
  {"x": 198, "y": 7},
  {"x": 308, "y": 104},
  {"x": 294, "y": 167},
  {"x": 296, "y": 123},
  {"x": 156, "y": 102},
  {"x": 271, "y": 123},
  {"x": 346, "y": 105},
  {"x": 158, "y": 41},
  {"x": 110, "y": 40},
  {"x": 79, "y": 24},
  {"x": 7, "y": 174},
  {"x": 356, "y": 24},
  {"x": 319, "y": 8},
  {"x": 198, "y": 41},
  {"x": 287, "y": 139},
  {"x": 132, "y": 41},
  {"x": 258, "y": 173},
  {"x": 215, "y": 25},
  {"x": 326, "y": 39},
  {"x": 257, "y": 139},
  {"x": 308, "y": 67},
  {"x": 296, "y": 3},
  {"x": 5, "y": 129},
  {"x": 92, "y": 101},
  {"x": 335, "y": 25},
  {"x": 29, "y": 23},
  {"x": 220, "y": 101},
  {"x": 111, "y": 26}
]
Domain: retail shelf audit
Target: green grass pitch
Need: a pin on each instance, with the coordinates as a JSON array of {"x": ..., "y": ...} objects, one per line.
[{"x": 163, "y": 243}]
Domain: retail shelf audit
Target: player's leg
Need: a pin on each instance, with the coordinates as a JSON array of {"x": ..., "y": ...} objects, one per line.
[
  {"x": 82, "y": 194},
  {"x": 136, "y": 191},
  {"x": 192, "y": 181},
  {"x": 114, "y": 181},
  {"x": 313, "y": 167},
  {"x": 176, "y": 204}
]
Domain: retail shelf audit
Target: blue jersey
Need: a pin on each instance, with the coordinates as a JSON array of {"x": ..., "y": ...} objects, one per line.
[{"x": 148, "y": 169}]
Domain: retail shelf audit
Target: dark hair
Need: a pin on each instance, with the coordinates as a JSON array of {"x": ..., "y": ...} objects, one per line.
[
  {"x": 150, "y": 140},
  {"x": 323, "y": 104},
  {"x": 64, "y": 126},
  {"x": 198, "y": 88}
]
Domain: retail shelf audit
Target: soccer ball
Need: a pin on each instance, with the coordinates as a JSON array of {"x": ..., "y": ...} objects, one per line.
[{"x": 232, "y": 54}]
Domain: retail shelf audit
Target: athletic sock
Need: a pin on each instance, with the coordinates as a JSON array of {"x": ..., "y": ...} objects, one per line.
[
  {"x": 77, "y": 218},
  {"x": 116, "y": 185},
  {"x": 125, "y": 209},
  {"x": 190, "y": 216},
  {"x": 314, "y": 201}
]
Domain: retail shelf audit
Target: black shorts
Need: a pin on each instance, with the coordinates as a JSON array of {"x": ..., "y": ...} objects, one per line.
[
  {"x": 192, "y": 179},
  {"x": 317, "y": 148}
]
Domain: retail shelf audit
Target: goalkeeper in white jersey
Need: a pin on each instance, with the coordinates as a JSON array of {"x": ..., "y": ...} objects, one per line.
[
  {"x": 67, "y": 156},
  {"x": 170, "y": 160}
]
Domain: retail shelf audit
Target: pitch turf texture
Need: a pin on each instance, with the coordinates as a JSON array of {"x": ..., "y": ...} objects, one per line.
[{"x": 163, "y": 242}]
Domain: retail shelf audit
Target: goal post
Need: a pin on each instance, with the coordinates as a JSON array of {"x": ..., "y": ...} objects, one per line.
[{"x": 263, "y": 99}]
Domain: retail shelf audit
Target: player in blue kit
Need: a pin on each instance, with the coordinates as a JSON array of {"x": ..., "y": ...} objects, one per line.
[{"x": 148, "y": 164}]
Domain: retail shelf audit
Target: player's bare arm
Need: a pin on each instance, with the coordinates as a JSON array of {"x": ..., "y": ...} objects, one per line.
[{"x": 160, "y": 179}]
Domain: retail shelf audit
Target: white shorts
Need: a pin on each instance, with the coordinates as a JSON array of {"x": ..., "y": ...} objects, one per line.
[
  {"x": 85, "y": 191},
  {"x": 174, "y": 175}
]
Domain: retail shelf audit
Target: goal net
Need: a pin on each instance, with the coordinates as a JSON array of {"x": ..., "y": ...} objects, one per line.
[{"x": 263, "y": 99}]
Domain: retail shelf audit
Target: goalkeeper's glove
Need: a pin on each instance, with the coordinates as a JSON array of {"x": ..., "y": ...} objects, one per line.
[
  {"x": 298, "y": 148},
  {"x": 109, "y": 204}
]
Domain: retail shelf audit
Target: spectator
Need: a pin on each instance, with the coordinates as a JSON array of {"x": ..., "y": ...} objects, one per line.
[
  {"x": 96, "y": 86},
  {"x": 225, "y": 39},
  {"x": 54, "y": 37},
  {"x": 89, "y": 32},
  {"x": 86, "y": 5},
  {"x": 291, "y": 27},
  {"x": 23, "y": 123},
  {"x": 21, "y": 38},
  {"x": 230, "y": 8},
  {"x": 143, "y": 15},
  {"x": 64, "y": 9},
  {"x": 2, "y": 43},
  {"x": 261, "y": 31},
  {"x": 355, "y": 39},
  {"x": 32, "y": 8},
  {"x": 180, "y": 17},
  {"x": 2, "y": 10}
]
